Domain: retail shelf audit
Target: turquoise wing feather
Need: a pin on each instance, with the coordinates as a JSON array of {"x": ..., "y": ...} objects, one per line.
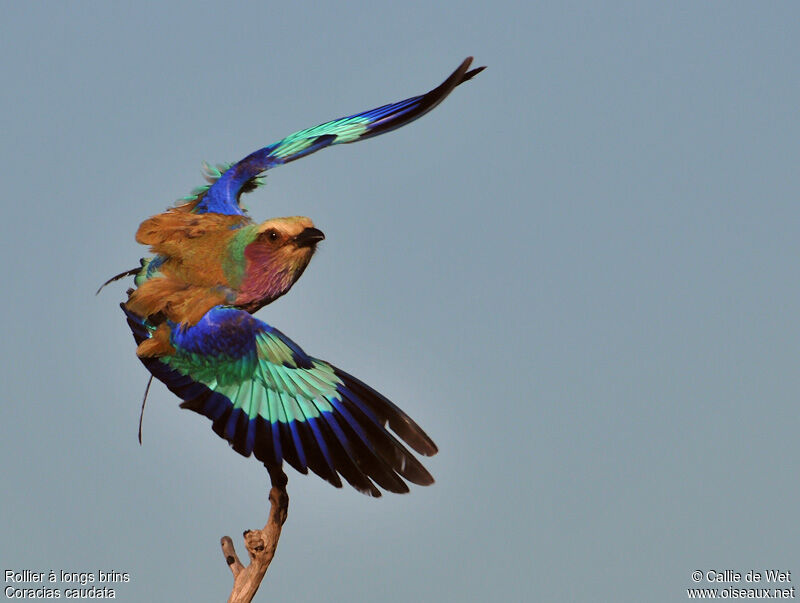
[
  {"x": 230, "y": 181},
  {"x": 268, "y": 398}
]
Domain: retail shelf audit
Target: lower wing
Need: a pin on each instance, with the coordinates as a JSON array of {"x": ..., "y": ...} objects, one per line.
[{"x": 265, "y": 396}]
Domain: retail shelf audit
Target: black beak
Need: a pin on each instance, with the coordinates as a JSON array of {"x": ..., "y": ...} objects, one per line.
[{"x": 309, "y": 237}]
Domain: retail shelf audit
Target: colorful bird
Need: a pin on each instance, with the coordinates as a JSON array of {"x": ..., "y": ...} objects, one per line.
[{"x": 191, "y": 317}]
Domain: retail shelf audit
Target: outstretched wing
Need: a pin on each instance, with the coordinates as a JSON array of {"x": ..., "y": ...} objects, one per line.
[
  {"x": 222, "y": 197},
  {"x": 267, "y": 397}
]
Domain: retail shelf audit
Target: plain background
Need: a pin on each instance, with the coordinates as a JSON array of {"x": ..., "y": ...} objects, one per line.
[{"x": 579, "y": 274}]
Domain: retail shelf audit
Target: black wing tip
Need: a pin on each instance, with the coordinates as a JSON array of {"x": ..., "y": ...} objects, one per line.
[
  {"x": 431, "y": 449},
  {"x": 423, "y": 480},
  {"x": 472, "y": 73},
  {"x": 467, "y": 75},
  {"x": 413, "y": 435},
  {"x": 399, "y": 422},
  {"x": 443, "y": 90}
]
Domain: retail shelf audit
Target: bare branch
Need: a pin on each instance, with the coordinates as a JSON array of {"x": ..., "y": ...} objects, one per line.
[{"x": 260, "y": 544}]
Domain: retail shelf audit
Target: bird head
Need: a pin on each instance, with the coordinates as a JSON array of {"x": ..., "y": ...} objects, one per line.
[{"x": 275, "y": 259}]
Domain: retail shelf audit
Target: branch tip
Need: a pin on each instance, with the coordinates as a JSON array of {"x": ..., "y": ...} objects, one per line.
[{"x": 261, "y": 544}]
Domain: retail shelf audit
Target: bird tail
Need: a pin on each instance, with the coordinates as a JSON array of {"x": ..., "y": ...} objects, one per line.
[{"x": 131, "y": 272}]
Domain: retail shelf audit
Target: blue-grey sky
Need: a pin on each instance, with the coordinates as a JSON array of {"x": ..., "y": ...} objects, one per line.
[{"x": 579, "y": 274}]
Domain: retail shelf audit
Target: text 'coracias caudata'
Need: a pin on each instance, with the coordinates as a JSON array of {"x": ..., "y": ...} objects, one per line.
[{"x": 191, "y": 317}]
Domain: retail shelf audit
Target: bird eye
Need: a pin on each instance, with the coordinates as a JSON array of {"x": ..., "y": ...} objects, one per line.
[{"x": 271, "y": 235}]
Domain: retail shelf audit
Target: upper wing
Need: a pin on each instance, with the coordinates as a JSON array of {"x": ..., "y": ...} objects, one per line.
[
  {"x": 266, "y": 396},
  {"x": 223, "y": 195}
]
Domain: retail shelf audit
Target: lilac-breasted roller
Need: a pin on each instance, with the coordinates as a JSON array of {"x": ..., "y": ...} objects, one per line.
[{"x": 191, "y": 317}]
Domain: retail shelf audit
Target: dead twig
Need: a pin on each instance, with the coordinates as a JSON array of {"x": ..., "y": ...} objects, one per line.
[{"x": 261, "y": 544}]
